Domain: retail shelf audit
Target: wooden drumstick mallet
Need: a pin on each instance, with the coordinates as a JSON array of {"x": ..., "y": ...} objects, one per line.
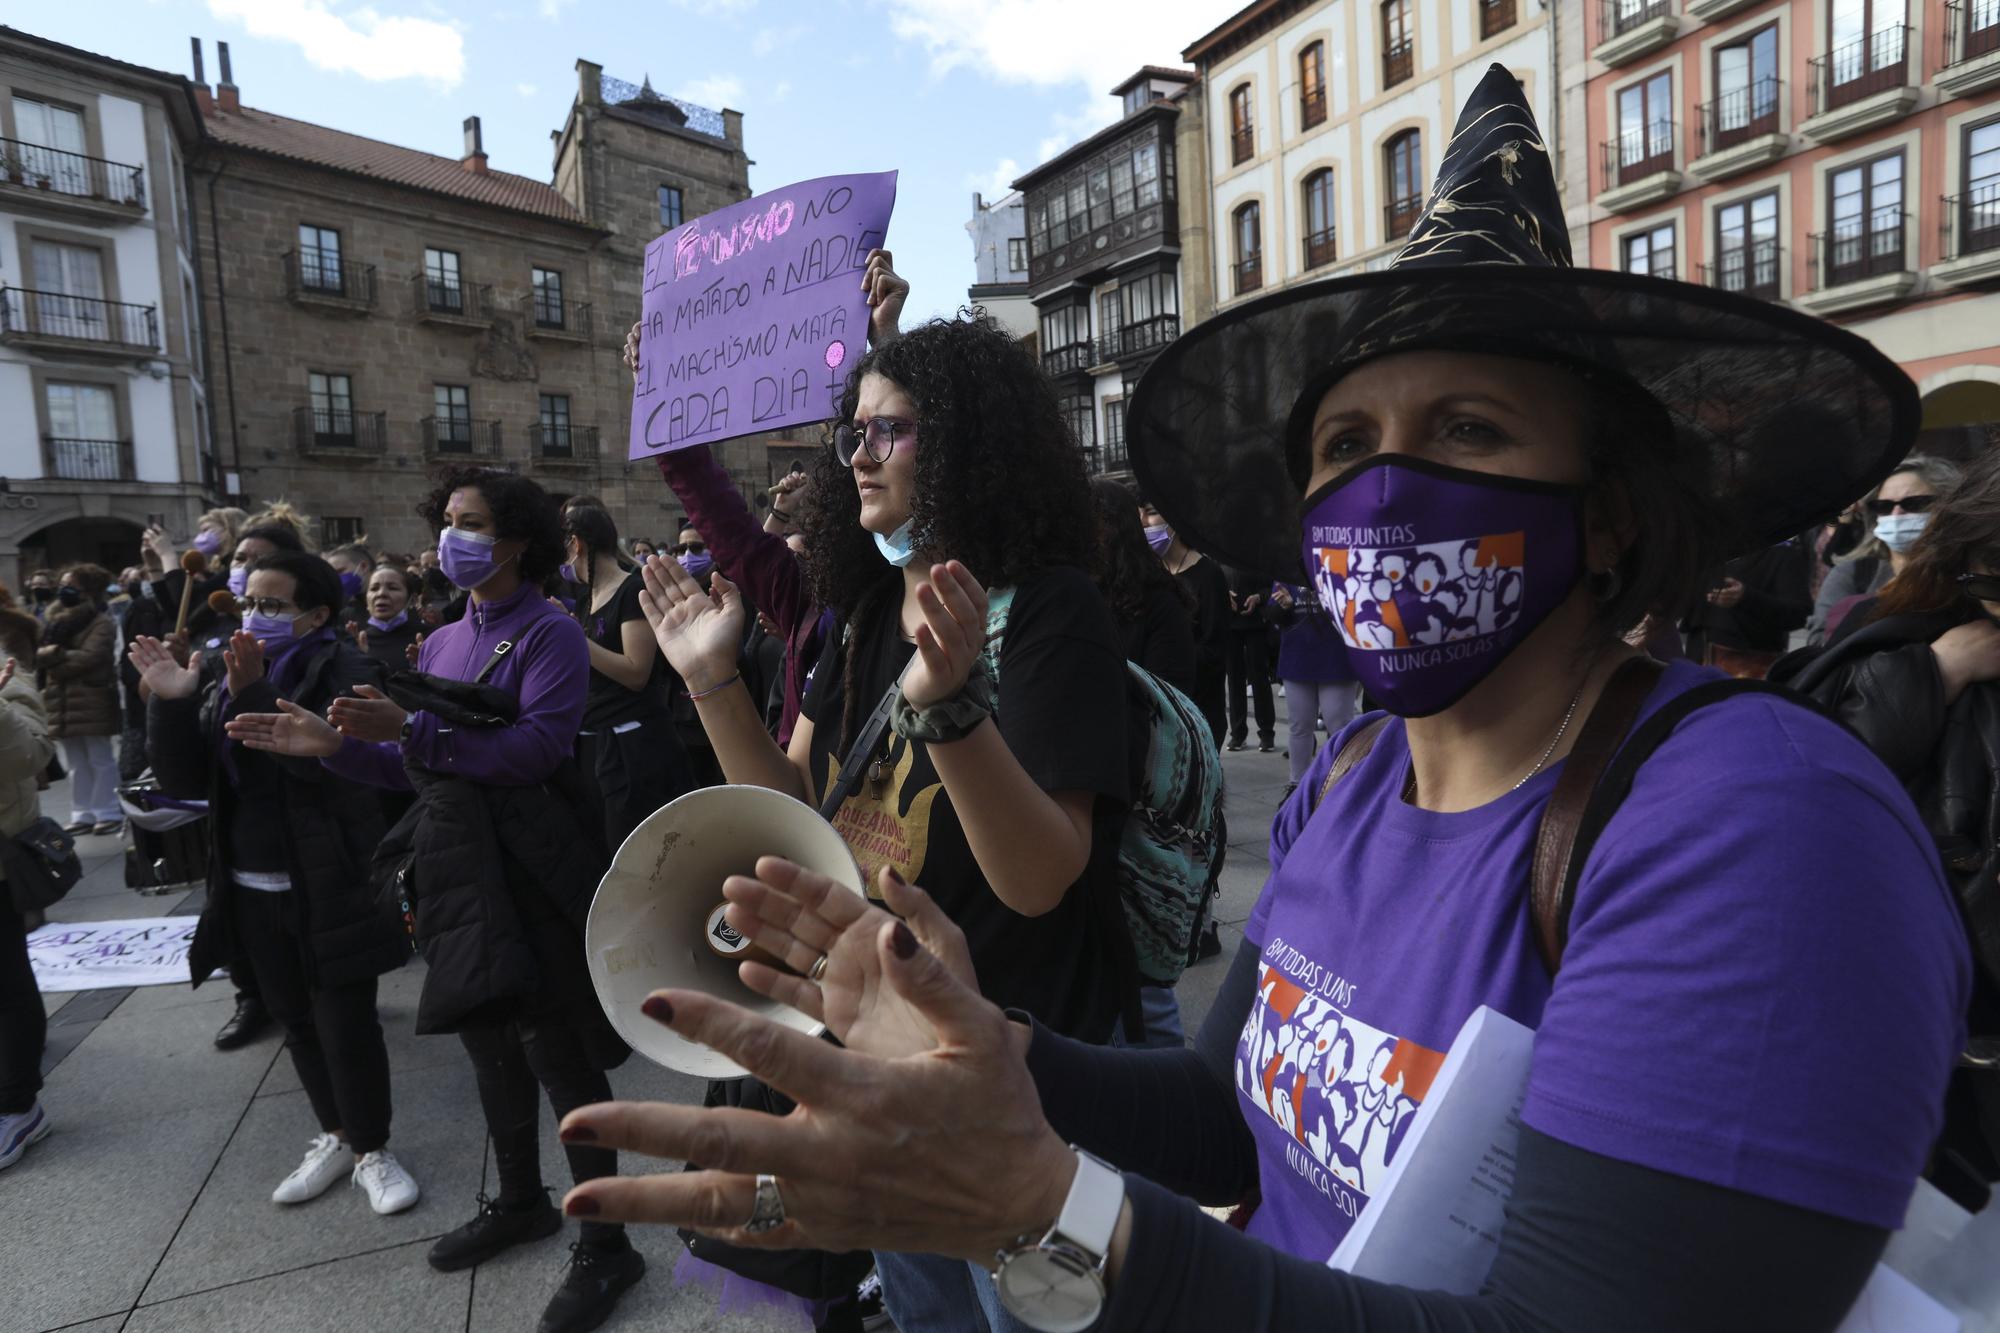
[
  {"x": 192, "y": 563},
  {"x": 223, "y": 603}
]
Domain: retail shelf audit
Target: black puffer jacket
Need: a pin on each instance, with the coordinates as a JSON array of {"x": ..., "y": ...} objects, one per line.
[
  {"x": 332, "y": 825},
  {"x": 498, "y": 882}
]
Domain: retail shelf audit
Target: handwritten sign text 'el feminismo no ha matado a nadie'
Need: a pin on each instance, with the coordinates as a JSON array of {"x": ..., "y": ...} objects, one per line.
[{"x": 754, "y": 313}]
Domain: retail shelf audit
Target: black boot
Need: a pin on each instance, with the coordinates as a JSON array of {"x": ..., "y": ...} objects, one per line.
[
  {"x": 593, "y": 1282},
  {"x": 250, "y": 1018},
  {"x": 494, "y": 1228}
]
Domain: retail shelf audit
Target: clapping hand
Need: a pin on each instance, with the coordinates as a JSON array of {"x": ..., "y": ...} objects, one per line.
[
  {"x": 369, "y": 716},
  {"x": 296, "y": 732},
  {"x": 163, "y": 675},
  {"x": 951, "y": 638},
  {"x": 699, "y": 632},
  {"x": 244, "y": 659}
]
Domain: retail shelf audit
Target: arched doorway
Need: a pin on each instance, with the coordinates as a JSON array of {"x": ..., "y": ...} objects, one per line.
[
  {"x": 1961, "y": 418},
  {"x": 110, "y": 542}
]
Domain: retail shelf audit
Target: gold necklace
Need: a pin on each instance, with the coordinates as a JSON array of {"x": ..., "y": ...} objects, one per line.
[{"x": 1569, "y": 715}]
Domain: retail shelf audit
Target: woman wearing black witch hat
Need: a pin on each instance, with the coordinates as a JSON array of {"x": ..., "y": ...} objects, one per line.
[{"x": 1737, "y": 1071}]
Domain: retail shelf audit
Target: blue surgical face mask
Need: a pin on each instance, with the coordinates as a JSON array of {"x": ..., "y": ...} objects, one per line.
[
  {"x": 350, "y": 585},
  {"x": 1159, "y": 536},
  {"x": 568, "y": 573},
  {"x": 896, "y": 547},
  {"x": 1899, "y": 532}
]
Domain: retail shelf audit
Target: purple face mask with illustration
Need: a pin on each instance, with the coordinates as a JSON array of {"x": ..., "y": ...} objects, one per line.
[{"x": 1433, "y": 574}]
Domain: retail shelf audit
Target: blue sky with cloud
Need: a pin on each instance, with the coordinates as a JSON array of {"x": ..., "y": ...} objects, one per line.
[{"x": 959, "y": 95}]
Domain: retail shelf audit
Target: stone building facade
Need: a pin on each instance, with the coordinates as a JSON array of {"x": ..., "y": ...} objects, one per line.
[{"x": 379, "y": 313}]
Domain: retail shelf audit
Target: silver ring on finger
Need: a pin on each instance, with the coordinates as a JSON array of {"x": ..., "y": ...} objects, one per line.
[
  {"x": 767, "y": 1213},
  {"x": 818, "y": 969}
]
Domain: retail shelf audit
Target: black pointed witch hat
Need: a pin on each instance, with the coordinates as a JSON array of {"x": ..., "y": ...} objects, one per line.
[{"x": 1796, "y": 418}]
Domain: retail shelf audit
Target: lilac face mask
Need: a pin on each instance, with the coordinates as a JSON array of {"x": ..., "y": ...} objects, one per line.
[
  {"x": 208, "y": 541},
  {"x": 1433, "y": 574},
  {"x": 1159, "y": 536},
  {"x": 467, "y": 557},
  {"x": 697, "y": 563},
  {"x": 269, "y": 629},
  {"x": 239, "y": 581}
]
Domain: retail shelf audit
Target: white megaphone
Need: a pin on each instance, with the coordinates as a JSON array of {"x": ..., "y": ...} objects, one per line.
[{"x": 657, "y": 918}]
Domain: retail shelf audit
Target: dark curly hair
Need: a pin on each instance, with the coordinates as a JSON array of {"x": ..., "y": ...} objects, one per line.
[
  {"x": 1126, "y": 566},
  {"x": 522, "y": 511},
  {"x": 1000, "y": 482}
]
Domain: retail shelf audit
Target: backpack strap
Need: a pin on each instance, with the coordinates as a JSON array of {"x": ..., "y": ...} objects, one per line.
[
  {"x": 1551, "y": 885},
  {"x": 1554, "y": 903},
  {"x": 1358, "y": 747}
]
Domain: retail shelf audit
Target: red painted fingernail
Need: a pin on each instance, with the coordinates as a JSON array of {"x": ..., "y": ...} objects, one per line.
[
  {"x": 579, "y": 1134},
  {"x": 900, "y": 882},
  {"x": 903, "y": 942},
  {"x": 583, "y": 1206},
  {"x": 657, "y": 1009}
]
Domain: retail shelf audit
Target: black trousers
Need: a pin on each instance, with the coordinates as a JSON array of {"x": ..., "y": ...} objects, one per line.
[
  {"x": 1250, "y": 664},
  {"x": 514, "y": 1064},
  {"x": 632, "y": 773},
  {"x": 332, "y": 1032},
  {"x": 24, "y": 1024},
  {"x": 1210, "y": 676}
]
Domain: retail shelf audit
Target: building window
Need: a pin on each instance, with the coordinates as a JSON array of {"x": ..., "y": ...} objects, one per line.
[
  {"x": 83, "y": 431},
  {"x": 441, "y": 284},
  {"x": 52, "y": 145},
  {"x": 1114, "y": 433},
  {"x": 453, "y": 420},
  {"x": 1318, "y": 191},
  {"x": 1746, "y": 90},
  {"x": 1312, "y": 85},
  {"x": 1866, "y": 49},
  {"x": 1746, "y": 246},
  {"x": 336, "y": 532},
  {"x": 1110, "y": 319},
  {"x": 548, "y": 296},
  {"x": 1242, "y": 134},
  {"x": 554, "y": 421},
  {"x": 1398, "y": 43},
  {"x": 1247, "y": 230},
  {"x": 1625, "y": 15},
  {"x": 1066, "y": 339},
  {"x": 68, "y": 300},
  {"x": 1645, "y": 130},
  {"x": 1651, "y": 252},
  {"x": 1152, "y": 313},
  {"x": 1017, "y": 254},
  {"x": 1078, "y": 411},
  {"x": 1496, "y": 16},
  {"x": 332, "y": 408},
  {"x": 1978, "y": 211},
  {"x": 1865, "y": 203},
  {"x": 670, "y": 206},
  {"x": 319, "y": 259},
  {"x": 1980, "y": 21},
  {"x": 1403, "y": 170}
]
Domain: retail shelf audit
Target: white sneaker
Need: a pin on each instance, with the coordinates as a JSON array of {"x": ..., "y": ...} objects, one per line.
[
  {"x": 390, "y": 1187},
  {"x": 325, "y": 1162},
  {"x": 18, "y": 1131}
]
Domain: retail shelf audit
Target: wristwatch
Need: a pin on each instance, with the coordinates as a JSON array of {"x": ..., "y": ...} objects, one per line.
[{"x": 1056, "y": 1284}]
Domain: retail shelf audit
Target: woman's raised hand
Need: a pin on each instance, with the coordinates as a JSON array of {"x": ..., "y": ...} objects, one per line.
[
  {"x": 951, "y": 638},
  {"x": 244, "y": 660},
  {"x": 632, "y": 349},
  {"x": 699, "y": 632},
  {"x": 294, "y": 731},
  {"x": 162, "y": 675},
  {"x": 797, "y": 915},
  {"x": 943, "y": 1152}
]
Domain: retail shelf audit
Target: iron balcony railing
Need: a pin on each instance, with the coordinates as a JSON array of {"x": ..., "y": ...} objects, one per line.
[
  {"x": 1144, "y": 335},
  {"x": 1319, "y": 248},
  {"x": 1875, "y": 64},
  {"x": 1971, "y": 30},
  {"x": 1399, "y": 62},
  {"x": 458, "y": 300},
  {"x": 1399, "y": 215},
  {"x": 87, "y": 460},
  {"x": 1753, "y": 270},
  {"x": 555, "y": 315},
  {"x": 1242, "y": 144},
  {"x": 1621, "y": 16},
  {"x": 1312, "y": 107},
  {"x": 1741, "y": 114},
  {"x": 1858, "y": 248},
  {"x": 1069, "y": 360},
  {"x": 339, "y": 430},
  {"x": 455, "y": 435},
  {"x": 320, "y": 273},
  {"x": 1249, "y": 273},
  {"x": 35, "y": 167},
  {"x": 1971, "y": 221},
  {"x": 1637, "y": 154},
  {"x": 85, "y": 319},
  {"x": 557, "y": 443}
]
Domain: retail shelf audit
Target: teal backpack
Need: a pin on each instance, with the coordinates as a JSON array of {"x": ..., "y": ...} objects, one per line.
[{"x": 1170, "y": 854}]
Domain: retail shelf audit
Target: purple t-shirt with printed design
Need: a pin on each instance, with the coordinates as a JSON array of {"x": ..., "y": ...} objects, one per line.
[{"x": 1763, "y": 989}]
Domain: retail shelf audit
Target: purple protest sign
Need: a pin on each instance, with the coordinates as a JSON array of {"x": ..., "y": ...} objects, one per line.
[{"x": 753, "y": 313}]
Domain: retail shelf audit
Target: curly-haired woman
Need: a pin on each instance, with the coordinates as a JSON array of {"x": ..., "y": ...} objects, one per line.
[
  {"x": 498, "y": 864},
  {"x": 951, "y": 473}
]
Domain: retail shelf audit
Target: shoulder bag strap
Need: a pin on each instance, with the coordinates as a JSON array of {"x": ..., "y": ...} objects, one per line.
[
  {"x": 500, "y": 650},
  {"x": 859, "y": 753},
  {"x": 1358, "y": 747},
  {"x": 1550, "y": 882}
]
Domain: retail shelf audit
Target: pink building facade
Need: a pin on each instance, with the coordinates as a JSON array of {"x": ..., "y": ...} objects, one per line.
[{"x": 1841, "y": 156}]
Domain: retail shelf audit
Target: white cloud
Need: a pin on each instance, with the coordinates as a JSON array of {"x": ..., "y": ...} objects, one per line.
[
  {"x": 525, "y": 89},
  {"x": 1014, "y": 41},
  {"x": 782, "y": 91},
  {"x": 996, "y": 183},
  {"x": 362, "y": 41},
  {"x": 1068, "y": 128},
  {"x": 552, "y": 9},
  {"x": 768, "y": 40},
  {"x": 717, "y": 91}
]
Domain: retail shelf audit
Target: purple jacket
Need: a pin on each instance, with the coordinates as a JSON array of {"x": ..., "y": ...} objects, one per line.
[
  {"x": 548, "y": 669},
  {"x": 754, "y": 560}
]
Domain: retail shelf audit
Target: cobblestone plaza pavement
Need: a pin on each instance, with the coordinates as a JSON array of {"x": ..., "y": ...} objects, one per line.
[{"x": 148, "y": 1209}]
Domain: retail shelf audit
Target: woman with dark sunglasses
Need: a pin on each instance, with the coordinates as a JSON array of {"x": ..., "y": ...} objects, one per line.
[
  {"x": 1893, "y": 517},
  {"x": 1918, "y": 679}
]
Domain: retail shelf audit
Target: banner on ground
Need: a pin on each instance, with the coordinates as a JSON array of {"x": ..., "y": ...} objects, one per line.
[
  {"x": 98, "y": 955},
  {"x": 754, "y": 313}
]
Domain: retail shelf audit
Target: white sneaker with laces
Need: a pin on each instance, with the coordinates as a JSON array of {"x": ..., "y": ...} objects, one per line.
[
  {"x": 325, "y": 1162},
  {"x": 390, "y": 1187}
]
